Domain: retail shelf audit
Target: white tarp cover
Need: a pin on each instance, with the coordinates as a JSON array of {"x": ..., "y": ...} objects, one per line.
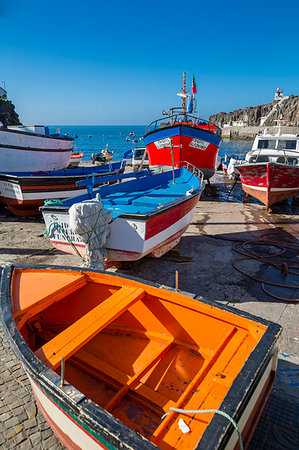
[
  {"x": 90, "y": 220},
  {"x": 231, "y": 170}
]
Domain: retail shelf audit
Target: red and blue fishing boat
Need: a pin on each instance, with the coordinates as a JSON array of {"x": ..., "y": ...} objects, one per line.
[{"x": 181, "y": 137}]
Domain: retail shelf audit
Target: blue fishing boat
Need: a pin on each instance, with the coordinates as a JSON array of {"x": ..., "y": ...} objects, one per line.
[
  {"x": 25, "y": 192},
  {"x": 149, "y": 214}
]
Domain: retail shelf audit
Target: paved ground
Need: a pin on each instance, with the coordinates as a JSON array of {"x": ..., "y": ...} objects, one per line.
[{"x": 217, "y": 225}]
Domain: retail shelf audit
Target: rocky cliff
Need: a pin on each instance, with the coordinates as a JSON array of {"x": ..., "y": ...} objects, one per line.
[
  {"x": 286, "y": 108},
  {"x": 8, "y": 115}
]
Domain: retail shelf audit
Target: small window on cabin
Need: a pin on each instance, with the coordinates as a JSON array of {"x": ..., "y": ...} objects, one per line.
[
  {"x": 266, "y": 143},
  {"x": 288, "y": 160},
  {"x": 260, "y": 158},
  {"x": 286, "y": 144}
]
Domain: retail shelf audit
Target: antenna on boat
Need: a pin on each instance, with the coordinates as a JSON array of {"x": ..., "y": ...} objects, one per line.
[
  {"x": 172, "y": 160},
  {"x": 183, "y": 93}
]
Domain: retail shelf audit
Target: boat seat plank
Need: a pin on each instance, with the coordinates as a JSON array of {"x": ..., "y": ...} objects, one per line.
[
  {"x": 55, "y": 296},
  {"x": 66, "y": 343},
  {"x": 96, "y": 366},
  {"x": 163, "y": 349}
]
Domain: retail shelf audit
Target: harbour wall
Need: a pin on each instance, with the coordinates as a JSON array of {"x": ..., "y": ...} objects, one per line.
[{"x": 249, "y": 132}]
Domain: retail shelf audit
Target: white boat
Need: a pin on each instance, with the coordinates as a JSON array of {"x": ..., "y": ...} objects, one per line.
[
  {"x": 150, "y": 213},
  {"x": 271, "y": 169},
  {"x": 30, "y": 149}
]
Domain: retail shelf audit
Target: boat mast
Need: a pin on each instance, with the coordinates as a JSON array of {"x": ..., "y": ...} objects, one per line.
[{"x": 184, "y": 92}]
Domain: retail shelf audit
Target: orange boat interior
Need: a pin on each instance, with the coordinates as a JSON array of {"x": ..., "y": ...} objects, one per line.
[{"x": 133, "y": 349}]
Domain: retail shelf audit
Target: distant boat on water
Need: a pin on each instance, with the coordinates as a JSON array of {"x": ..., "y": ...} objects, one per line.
[
  {"x": 76, "y": 158},
  {"x": 33, "y": 148},
  {"x": 103, "y": 156}
]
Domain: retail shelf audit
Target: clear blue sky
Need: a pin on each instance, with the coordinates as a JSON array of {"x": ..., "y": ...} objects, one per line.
[{"x": 116, "y": 62}]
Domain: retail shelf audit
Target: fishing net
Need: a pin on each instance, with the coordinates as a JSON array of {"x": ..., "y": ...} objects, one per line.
[{"x": 90, "y": 220}]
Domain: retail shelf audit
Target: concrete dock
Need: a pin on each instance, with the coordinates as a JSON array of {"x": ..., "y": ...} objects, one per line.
[{"x": 204, "y": 262}]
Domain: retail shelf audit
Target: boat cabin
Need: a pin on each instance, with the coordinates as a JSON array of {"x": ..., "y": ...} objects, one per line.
[{"x": 279, "y": 148}]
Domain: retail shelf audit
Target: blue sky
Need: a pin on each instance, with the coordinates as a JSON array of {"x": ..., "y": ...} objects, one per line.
[{"x": 100, "y": 63}]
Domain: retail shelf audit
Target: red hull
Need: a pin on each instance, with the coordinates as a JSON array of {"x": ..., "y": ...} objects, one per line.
[
  {"x": 190, "y": 144},
  {"x": 270, "y": 182}
]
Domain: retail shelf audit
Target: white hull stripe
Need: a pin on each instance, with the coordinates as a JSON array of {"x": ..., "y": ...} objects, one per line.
[
  {"x": 250, "y": 406},
  {"x": 65, "y": 423},
  {"x": 56, "y": 194},
  {"x": 259, "y": 188},
  {"x": 131, "y": 241}
]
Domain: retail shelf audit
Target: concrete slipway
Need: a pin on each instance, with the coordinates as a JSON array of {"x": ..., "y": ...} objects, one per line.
[{"x": 205, "y": 268}]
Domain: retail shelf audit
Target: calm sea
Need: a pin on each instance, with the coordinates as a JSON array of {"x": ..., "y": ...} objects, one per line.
[{"x": 92, "y": 139}]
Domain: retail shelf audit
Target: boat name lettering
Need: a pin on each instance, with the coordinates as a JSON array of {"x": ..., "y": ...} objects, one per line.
[
  {"x": 10, "y": 190},
  {"x": 163, "y": 143},
  {"x": 198, "y": 143},
  {"x": 64, "y": 229}
]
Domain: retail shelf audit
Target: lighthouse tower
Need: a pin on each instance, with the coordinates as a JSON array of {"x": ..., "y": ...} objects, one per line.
[{"x": 278, "y": 94}]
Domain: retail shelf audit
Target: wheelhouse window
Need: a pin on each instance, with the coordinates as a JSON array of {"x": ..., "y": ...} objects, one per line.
[
  {"x": 288, "y": 160},
  {"x": 260, "y": 158},
  {"x": 286, "y": 144},
  {"x": 266, "y": 143}
]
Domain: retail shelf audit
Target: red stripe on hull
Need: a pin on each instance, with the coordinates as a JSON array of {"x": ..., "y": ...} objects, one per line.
[{"x": 163, "y": 221}]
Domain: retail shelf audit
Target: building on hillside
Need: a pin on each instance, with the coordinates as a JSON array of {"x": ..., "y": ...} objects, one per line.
[
  {"x": 278, "y": 94},
  {"x": 3, "y": 94}
]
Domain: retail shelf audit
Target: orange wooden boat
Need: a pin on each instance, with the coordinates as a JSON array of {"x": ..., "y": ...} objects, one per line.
[{"x": 109, "y": 356}]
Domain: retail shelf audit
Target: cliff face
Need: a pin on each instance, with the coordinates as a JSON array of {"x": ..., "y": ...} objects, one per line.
[
  {"x": 288, "y": 108},
  {"x": 8, "y": 115}
]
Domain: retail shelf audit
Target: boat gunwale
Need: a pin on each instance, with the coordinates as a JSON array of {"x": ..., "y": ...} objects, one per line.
[
  {"x": 181, "y": 125},
  {"x": 138, "y": 216},
  {"x": 65, "y": 138},
  {"x": 63, "y": 179},
  {"x": 102, "y": 422},
  {"x": 282, "y": 165}
]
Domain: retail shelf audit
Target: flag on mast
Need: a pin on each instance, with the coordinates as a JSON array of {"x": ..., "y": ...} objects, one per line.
[{"x": 194, "y": 90}]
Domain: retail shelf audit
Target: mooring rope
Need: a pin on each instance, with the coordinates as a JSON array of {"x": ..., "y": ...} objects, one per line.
[{"x": 206, "y": 411}]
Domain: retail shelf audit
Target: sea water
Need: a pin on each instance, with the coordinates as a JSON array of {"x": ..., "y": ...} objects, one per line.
[{"x": 92, "y": 139}]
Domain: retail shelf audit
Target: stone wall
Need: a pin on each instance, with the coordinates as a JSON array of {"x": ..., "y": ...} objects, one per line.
[
  {"x": 250, "y": 132},
  {"x": 252, "y": 115}
]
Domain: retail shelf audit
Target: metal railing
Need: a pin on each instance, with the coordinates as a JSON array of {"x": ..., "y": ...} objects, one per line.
[
  {"x": 176, "y": 118},
  {"x": 193, "y": 169}
]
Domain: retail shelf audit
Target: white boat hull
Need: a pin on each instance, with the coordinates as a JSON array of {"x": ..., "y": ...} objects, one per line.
[{"x": 30, "y": 152}]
